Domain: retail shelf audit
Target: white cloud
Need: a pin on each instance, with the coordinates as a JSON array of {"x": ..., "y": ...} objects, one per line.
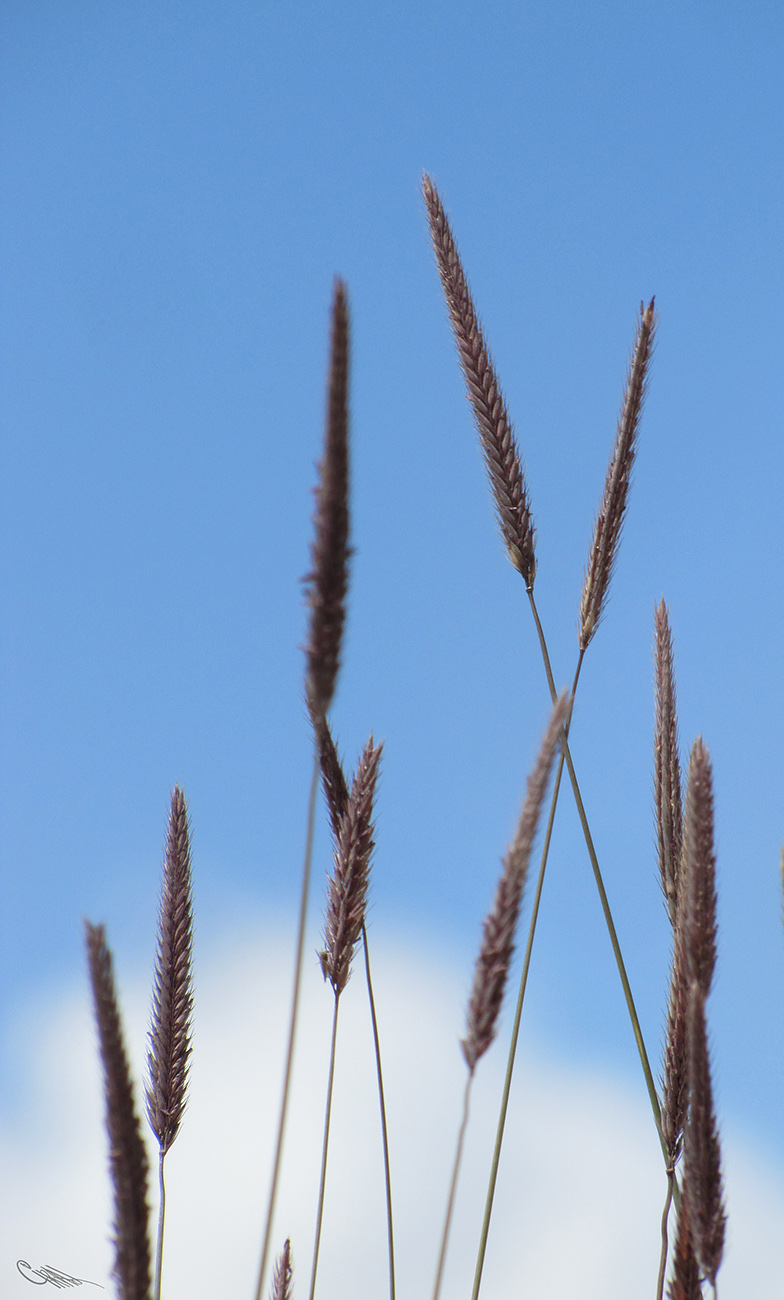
[{"x": 580, "y": 1188}]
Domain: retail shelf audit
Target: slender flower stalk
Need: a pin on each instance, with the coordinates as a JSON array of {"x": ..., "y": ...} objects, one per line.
[
  {"x": 336, "y": 793},
  {"x": 496, "y": 434},
  {"x": 511, "y": 498},
  {"x": 344, "y": 924},
  {"x": 326, "y": 585},
  {"x": 498, "y": 940},
  {"x": 172, "y": 1007},
  {"x": 609, "y": 522},
  {"x": 127, "y": 1156},
  {"x": 685, "y": 1282}
]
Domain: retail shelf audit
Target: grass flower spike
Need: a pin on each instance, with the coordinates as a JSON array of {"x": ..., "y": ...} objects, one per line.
[
  {"x": 170, "y": 1032},
  {"x": 607, "y": 530},
  {"x": 327, "y": 582},
  {"x": 703, "y": 1185},
  {"x": 128, "y": 1158},
  {"x": 667, "y": 771},
  {"x": 172, "y": 1004},
  {"x": 347, "y": 892},
  {"x": 281, "y": 1280},
  {"x": 500, "y": 926},
  {"x": 496, "y": 433}
]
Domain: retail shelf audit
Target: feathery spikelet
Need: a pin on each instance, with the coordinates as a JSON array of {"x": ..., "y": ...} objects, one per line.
[
  {"x": 685, "y": 1283},
  {"x": 607, "y": 530},
  {"x": 327, "y": 582},
  {"x": 332, "y": 776},
  {"x": 500, "y": 925},
  {"x": 172, "y": 1006},
  {"x": 347, "y": 890},
  {"x": 496, "y": 433},
  {"x": 667, "y": 769},
  {"x": 669, "y": 831},
  {"x": 700, "y": 887},
  {"x": 281, "y": 1278},
  {"x": 675, "y": 1083},
  {"x": 701, "y": 1151},
  {"x": 127, "y": 1156}
]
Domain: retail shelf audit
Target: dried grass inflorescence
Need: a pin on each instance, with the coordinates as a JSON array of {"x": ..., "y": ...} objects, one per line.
[
  {"x": 500, "y": 925},
  {"x": 703, "y": 1185},
  {"x": 669, "y": 832},
  {"x": 348, "y": 885},
  {"x": 700, "y": 885},
  {"x": 609, "y": 522},
  {"x": 702, "y": 1157},
  {"x": 327, "y": 581},
  {"x": 667, "y": 769},
  {"x": 128, "y": 1158},
  {"x": 281, "y": 1278},
  {"x": 172, "y": 1008},
  {"x": 675, "y": 1083},
  {"x": 496, "y": 433},
  {"x": 333, "y": 778}
]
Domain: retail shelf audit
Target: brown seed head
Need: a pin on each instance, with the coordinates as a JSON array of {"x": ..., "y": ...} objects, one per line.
[
  {"x": 667, "y": 771},
  {"x": 675, "y": 1083},
  {"x": 281, "y": 1279},
  {"x": 701, "y": 1150},
  {"x": 327, "y": 582},
  {"x": 333, "y": 779},
  {"x": 699, "y": 892},
  {"x": 127, "y": 1156},
  {"x": 172, "y": 1006},
  {"x": 607, "y": 530},
  {"x": 496, "y": 434},
  {"x": 498, "y": 933},
  {"x": 348, "y": 886}
]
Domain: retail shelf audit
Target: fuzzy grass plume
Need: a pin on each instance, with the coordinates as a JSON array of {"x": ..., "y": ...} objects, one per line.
[
  {"x": 609, "y": 522},
  {"x": 327, "y": 582},
  {"x": 348, "y": 885},
  {"x": 496, "y": 434},
  {"x": 500, "y": 926},
  {"x": 127, "y": 1156}
]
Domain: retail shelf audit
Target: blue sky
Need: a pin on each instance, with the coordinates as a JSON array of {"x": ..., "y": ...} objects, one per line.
[{"x": 181, "y": 184}]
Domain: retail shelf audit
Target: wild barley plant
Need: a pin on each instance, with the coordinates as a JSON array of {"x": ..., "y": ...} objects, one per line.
[{"x": 683, "y": 1110}]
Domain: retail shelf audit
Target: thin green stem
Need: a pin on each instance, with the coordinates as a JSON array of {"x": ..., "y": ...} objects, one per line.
[
  {"x": 382, "y": 1104},
  {"x": 450, "y": 1205},
  {"x": 616, "y": 947},
  {"x": 499, "y": 1136},
  {"x": 161, "y": 1217},
  {"x": 665, "y": 1217},
  {"x": 303, "y": 916},
  {"x": 324, "y": 1149}
]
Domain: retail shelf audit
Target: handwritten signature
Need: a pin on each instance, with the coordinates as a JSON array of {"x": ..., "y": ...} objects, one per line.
[{"x": 40, "y": 1276}]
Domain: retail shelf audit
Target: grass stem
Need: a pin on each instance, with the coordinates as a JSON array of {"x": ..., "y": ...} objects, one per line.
[
  {"x": 324, "y": 1150},
  {"x": 382, "y": 1105},
  {"x": 161, "y": 1216},
  {"x": 303, "y": 916},
  {"x": 453, "y": 1187}
]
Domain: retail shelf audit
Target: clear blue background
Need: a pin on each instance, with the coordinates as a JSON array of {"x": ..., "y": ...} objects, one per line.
[{"x": 181, "y": 182}]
